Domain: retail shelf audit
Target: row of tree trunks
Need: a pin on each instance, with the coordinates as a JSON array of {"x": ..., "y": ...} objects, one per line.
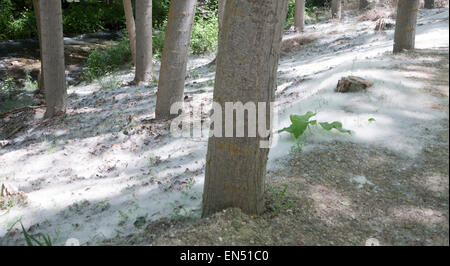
[
  {"x": 246, "y": 71},
  {"x": 174, "y": 58}
]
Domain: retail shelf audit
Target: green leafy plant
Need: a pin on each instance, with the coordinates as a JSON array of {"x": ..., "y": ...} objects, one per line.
[
  {"x": 110, "y": 82},
  {"x": 278, "y": 200},
  {"x": 180, "y": 213},
  {"x": 51, "y": 146},
  {"x": 203, "y": 39},
  {"x": 21, "y": 26},
  {"x": 29, "y": 84},
  {"x": 300, "y": 123},
  {"x": 102, "y": 206},
  {"x": 298, "y": 126},
  {"x": 40, "y": 239},
  {"x": 7, "y": 88},
  {"x": 204, "y": 35},
  {"x": 140, "y": 221},
  {"x": 101, "y": 62},
  {"x": 7, "y": 204},
  {"x": 123, "y": 218},
  {"x": 158, "y": 41},
  {"x": 335, "y": 125},
  {"x": 93, "y": 16}
]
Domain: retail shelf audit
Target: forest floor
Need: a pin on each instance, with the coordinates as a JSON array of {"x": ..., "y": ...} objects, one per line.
[{"x": 107, "y": 174}]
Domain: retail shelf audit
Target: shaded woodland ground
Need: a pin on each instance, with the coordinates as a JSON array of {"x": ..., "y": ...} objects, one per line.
[{"x": 106, "y": 173}]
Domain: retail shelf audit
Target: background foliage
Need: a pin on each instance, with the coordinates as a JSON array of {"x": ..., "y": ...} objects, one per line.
[{"x": 17, "y": 20}]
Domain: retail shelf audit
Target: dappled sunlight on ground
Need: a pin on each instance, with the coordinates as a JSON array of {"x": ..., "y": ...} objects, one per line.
[{"x": 106, "y": 166}]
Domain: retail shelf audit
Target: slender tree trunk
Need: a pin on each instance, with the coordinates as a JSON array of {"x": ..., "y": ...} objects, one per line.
[
  {"x": 363, "y": 4},
  {"x": 131, "y": 27},
  {"x": 52, "y": 47},
  {"x": 299, "y": 15},
  {"x": 174, "y": 58},
  {"x": 429, "y": 4},
  {"x": 247, "y": 65},
  {"x": 221, "y": 12},
  {"x": 38, "y": 26},
  {"x": 144, "y": 53},
  {"x": 405, "y": 27},
  {"x": 336, "y": 9}
]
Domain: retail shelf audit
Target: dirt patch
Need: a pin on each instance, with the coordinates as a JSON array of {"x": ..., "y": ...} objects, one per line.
[
  {"x": 14, "y": 121},
  {"x": 26, "y": 61},
  {"x": 293, "y": 43}
]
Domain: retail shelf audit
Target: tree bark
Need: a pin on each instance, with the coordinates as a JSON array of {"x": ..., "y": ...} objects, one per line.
[
  {"x": 52, "y": 48},
  {"x": 174, "y": 58},
  {"x": 363, "y": 4},
  {"x": 144, "y": 50},
  {"x": 429, "y": 4},
  {"x": 299, "y": 15},
  {"x": 246, "y": 72},
  {"x": 336, "y": 9},
  {"x": 221, "y": 12},
  {"x": 38, "y": 26},
  {"x": 405, "y": 26},
  {"x": 131, "y": 27}
]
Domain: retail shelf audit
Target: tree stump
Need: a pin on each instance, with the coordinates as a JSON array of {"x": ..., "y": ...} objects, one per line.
[
  {"x": 384, "y": 24},
  {"x": 353, "y": 84}
]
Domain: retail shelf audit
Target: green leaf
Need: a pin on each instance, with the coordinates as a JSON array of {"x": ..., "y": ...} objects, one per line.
[
  {"x": 299, "y": 124},
  {"x": 140, "y": 222},
  {"x": 47, "y": 240},
  {"x": 336, "y": 125},
  {"x": 372, "y": 120},
  {"x": 27, "y": 237}
]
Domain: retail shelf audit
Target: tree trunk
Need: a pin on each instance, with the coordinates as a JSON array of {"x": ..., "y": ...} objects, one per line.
[
  {"x": 221, "y": 12},
  {"x": 405, "y": 26},
  {"x": 429, "y": 4},
  {"x": 131, "y": 27},
  {"x": 247, "y": 65},
  {"x": 336, "y": 9},
  {"x": 144, "y": 53},
  {"x": 174, "y": 58},
  {"x": 38, "y": 26},
  {"x": 52, "y": 48},
  {"x": 363, "y": 4},
  {"x": 299, "y": 15}
]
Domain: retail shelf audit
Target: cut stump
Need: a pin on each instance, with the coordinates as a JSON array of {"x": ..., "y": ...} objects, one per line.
[{"x": 353, "y": 84}]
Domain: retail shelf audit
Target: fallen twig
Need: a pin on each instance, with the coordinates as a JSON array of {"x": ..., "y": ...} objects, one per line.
[
  {"x": 18, "y": 110},
  {"x": 15, "y": 131}
]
